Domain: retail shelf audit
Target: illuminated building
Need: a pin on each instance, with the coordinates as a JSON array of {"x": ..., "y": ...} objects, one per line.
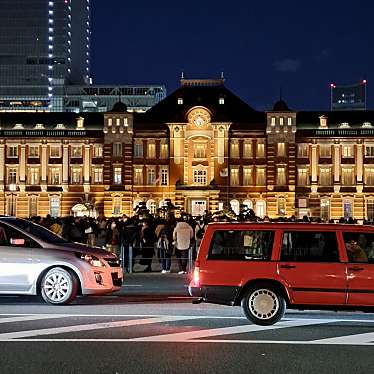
[
  {"x": 45, "y": 61},
  {"x": 45, "y": 44},
  {"x": 202, "y": 147}
]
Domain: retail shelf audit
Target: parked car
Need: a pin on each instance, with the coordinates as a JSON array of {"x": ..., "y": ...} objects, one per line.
[
  {"x": 266, "y": 267},
  {"x": 33, "y": 261}
]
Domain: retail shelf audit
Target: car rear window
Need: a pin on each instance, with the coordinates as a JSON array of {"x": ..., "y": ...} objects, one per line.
[
  {"x": 241, "y": 245},
  {"x": 359, "y": 246}
]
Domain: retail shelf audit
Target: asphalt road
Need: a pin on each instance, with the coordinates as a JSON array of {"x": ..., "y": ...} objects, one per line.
[{"x": 142, "y": 331}]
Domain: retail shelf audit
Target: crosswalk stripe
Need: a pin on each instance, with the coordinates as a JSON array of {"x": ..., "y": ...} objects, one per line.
[
  {"x": 125, "y": 315},
  {"x": 205, "y": 333},
  {"x": 26, "y": 318},
  {"x": 356, "y": 339},
  {"x": 220, "y": 341},
  {"x": 89, "y": 327}
]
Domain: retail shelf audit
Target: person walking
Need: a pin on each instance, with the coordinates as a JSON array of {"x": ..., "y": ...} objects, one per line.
[
  {"x": 182, "y": 236},
  {"x": 164, "y": 246},
  {"x": 101, "y": 232},
  {"x": 147, "y": 241},
  {"x": 199, "y": 233}
]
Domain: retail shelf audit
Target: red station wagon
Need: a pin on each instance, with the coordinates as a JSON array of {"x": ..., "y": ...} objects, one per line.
[{"x": 265, "y": 267}]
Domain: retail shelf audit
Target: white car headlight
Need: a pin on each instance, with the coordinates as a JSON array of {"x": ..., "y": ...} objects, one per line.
[{"x": 92, "y": 260}]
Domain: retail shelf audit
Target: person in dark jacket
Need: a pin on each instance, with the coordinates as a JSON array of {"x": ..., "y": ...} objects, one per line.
[
  {"x": 127, "y": 238},
  {"x": 147, "y": 241}
]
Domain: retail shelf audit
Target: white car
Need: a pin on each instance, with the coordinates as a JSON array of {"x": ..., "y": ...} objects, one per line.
[{"x": 34, "y": 261}]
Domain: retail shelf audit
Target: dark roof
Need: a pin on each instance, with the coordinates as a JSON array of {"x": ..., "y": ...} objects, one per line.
[
  {"x": 119, "y": 107},
  {"x": 50, "y": 119},
  {"x": 233, "y": 110},
  {"x": 355, "y": 118},
  {"x": 281, "y": 106}
]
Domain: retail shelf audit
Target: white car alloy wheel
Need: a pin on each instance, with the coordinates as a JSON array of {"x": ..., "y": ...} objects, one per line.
[
  {"x": 263, "y": 303},
  {"x": 59, "y": 286}
]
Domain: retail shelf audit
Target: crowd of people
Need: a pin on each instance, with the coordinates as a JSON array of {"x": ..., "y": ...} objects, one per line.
[
  {"x": 141, "y": 237},
  {"x": 136, "y": 238}
]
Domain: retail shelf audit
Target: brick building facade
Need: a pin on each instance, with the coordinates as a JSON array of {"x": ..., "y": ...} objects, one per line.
[{"x": 202, "y": 147}]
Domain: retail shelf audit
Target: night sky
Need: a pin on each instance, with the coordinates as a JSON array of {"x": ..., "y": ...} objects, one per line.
[{"x": 300, "y": 46}]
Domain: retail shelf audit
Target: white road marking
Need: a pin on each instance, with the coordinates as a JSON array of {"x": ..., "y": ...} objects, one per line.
[
  {"x": 205, "y": 316},
  {"x": 221, "y": 341},
  {"x": 126, "y": 315},
  {"x": 355, "y": 339},
  {"x": 132, "y": 285},
  {"x": 205, "y": 333},
  {"x": 88, "y": 327},
  {"x": 366, "y": 339},
  {"x": 29, "y": 317}
]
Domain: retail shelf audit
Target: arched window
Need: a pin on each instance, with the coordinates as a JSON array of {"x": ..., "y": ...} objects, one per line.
[
  {"x": 347, "y": 208},
  {"x": 54, "y": 206},
  {"x": 117, "y": 205},
  {"x": 370, "y": 209},
  {"x": 136, "y": 202},
  {"x": 248, "y": 203},
  {"x": 152, "y": 206},
  {"x": 281, "y": 206},
  {"x": 260, "y": 208},
  {"x": 235, "y": 206},
  {"x": 325, "y": 209},
  {"x": 33, "y": 206},
  {"x": 163, "y": 203}
]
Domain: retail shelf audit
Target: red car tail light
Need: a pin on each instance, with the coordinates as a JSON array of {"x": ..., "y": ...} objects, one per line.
[{"x": 196, "y": 274}]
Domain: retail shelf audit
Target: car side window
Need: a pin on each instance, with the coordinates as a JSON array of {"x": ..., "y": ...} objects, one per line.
[
  {"x": 10, "y": 237},
  {"x": 309, "y": 246},
  {"x": 241, "y": 245},
  {"x": 359, "y": 246}
]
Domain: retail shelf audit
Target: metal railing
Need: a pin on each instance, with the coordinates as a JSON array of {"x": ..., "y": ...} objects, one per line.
[{"x": 132, "y": 257}]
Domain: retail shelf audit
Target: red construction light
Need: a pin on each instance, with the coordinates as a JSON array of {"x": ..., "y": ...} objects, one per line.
[
  {"x": 332, "y": 85},
  {"x": 364, "y": 81}
]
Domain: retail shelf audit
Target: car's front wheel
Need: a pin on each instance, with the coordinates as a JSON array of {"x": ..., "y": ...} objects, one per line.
[
  {"x": 263, "y": 304},
  {"x": 59, "y": 286}
]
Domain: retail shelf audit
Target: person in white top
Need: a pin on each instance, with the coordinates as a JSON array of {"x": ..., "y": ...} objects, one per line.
[{"x": 182, "y": 236}]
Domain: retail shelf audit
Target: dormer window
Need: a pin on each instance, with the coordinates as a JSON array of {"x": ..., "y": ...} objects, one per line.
[
  {"x": 18, "y": 126},
  {"x": 60, "y": 126},
  {"x": 323, "y": 121},
  {"x": 221, "y": 101},
  {"x": 80, "y": 123},
  {"x": 344, "y": 125},
  {"x": 367, "y": 125},
  {"x": 39, "y": 126},
  {"x": 180, "y": 101}
]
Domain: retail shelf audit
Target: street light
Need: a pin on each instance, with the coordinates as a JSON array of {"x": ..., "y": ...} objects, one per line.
[{"x": 12, "y": 188}]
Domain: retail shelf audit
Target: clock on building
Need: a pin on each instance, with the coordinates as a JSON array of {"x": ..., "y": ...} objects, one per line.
[
  {"x": 199, "y": 121},
  {"x": 199, "y": 117}
]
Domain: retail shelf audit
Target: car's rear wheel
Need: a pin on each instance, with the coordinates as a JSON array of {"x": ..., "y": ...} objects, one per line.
[
  {"x": 263, "y": 304},
  {"x": 59, "y": 286}
]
